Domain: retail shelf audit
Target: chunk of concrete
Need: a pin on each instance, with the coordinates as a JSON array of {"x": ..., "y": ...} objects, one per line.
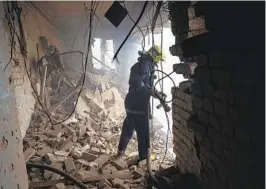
[
  {"x": 88, "y": 156},
  {"x": 59, "y": 186},
  {"x": 83, "y": 162},
  {"x": 117, "y": 183},
  {"x": 93, "y": 166},
  {"x": 47, "y": 174},
  {"x": 53, "y": 133},
  {"x": 28, "y": 153},
  {"x": 61, "y": 153},
  {"x": 69, "y": 164},
  {"x": 120, "y": 164},
  {"x": 66, "y": 146},
  {"x": 57, "y": 128},
  {"x": 44, "y": 151},
  {"x": 96, "y": 151},
  {"x": 76, "y": 153},
  {"x": 102, "y": 160},
  {"x": 138, "y": 173}
]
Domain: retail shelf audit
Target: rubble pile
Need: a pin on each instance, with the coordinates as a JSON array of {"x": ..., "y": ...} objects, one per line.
[{"x": 83, "y": 146}]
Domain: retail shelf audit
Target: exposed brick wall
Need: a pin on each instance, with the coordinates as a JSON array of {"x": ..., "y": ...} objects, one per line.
[
  {"x": 183, "y": 137},
  {"x": 222, "y": 109}
]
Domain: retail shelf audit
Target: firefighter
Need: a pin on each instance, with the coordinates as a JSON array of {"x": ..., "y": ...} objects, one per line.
[{"x": 137, "y": 102}]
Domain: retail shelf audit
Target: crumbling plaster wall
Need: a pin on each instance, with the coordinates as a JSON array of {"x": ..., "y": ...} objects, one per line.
[
  {"x": 17, "y": 101},
  {"x": 13, "y": 169},
  {"x": 218, "y": 117}
]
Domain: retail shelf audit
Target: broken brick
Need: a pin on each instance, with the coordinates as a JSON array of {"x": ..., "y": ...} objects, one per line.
[
  {"x": 138, "y": 174},
  {"x": 69, "y": 164},
  {"x": 59, "y": 186},
  {"x": 77, "y": 154},
  {"x": 102, "y": 160},
  {"x": 44, "y": 151},
  {"x": 109, "y": 169},
  {"x": 83, "y": 162},
  {"x": 53, "y": 133},
  {"x": 88, "y": 156},
  {"x": 133, "y": 154},
  {"x": 28, "y": 153},
  {"x": 66, "y": 146},
  {"x": 61, "y": 153},
  {"x": 117, "y": 183},
  {"x": 133, "y": 168},
  {"x": 57, "y": 128},
  {"x": 120, "y": 164},
  {"x": 57, "y": 166},
  {"x": 93, "y": 166},
  {"x": 47, "y": 174},
  {"x": 96, "y": 151}
]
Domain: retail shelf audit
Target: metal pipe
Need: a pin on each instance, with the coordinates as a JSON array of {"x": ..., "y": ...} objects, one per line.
[
  {"x": 148, "y": 162},
  {"x": 43, "y": 83}
]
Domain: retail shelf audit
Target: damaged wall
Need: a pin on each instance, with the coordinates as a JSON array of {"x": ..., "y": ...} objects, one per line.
[
  {"x": 17, "y": 101},
  {"x": 12, "y": 171},
  {"x": 34, "y": 25},
  {"x": 218, "y": 115}
]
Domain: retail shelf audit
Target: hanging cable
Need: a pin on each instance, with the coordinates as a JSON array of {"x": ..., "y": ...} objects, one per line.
[
  {"x": 142, "y": 11},
  {"x": 57, "y": 171},
  {"x": 23, "y": 52}
]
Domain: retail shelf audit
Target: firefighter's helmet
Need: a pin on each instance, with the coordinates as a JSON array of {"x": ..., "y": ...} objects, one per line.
[{"x": 156, "y": 53}]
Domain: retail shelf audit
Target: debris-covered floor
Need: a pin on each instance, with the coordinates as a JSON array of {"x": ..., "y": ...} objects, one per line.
[{"x": 84, "y": 144}]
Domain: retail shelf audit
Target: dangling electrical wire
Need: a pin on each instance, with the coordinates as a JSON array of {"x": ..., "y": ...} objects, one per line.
[
  {"x": 122, "y": 44},
  {"x": 23, "y": 52}
]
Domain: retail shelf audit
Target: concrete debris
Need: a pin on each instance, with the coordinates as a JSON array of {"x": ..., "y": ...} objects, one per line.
[
  {"x": 69, "y": 164},
  {"x": 44, "y": 151},
  {"x": 84, "y": 145},
  {"x": 59, "y": 186},
  {"x": 117, "y": 183},
  {"x": 102, "y": 160},
  {"x": 120, "y": 164},
  {"x": 66, "y": 146},
  {"x": 93, "y": 166},
  {"x": 83, "y": 162},
  {"x": 109, "y": 169},
  {"x": 88, "y": 156},
  {"x": 47, "y": 174},
  {"x": 138, "y": 173},
  {"x": 29, "y": 153}
]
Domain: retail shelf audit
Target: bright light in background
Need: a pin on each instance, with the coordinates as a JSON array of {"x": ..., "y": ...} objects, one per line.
[
  {"x": 96, "y": 52},
  {"x": 108, "y": 54},
  {"x": 168, "y": 40}
]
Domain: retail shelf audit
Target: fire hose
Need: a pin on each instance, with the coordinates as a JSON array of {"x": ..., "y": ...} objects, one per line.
[{"x": 159, "y": 182}]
